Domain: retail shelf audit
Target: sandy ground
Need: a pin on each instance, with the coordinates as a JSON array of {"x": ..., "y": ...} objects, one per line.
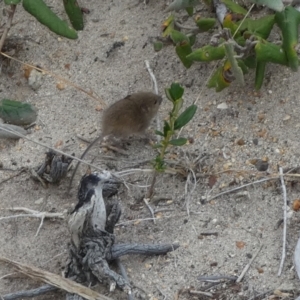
[{"x": 255, "y": 125}]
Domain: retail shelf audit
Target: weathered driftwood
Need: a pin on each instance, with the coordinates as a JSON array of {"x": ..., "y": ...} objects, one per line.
[
  {"x": 92, "y": 240},
  {"x": 91, "y": 225}
]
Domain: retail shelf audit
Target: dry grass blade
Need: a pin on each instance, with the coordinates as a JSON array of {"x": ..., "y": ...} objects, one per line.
[
  {"x": 56, "y": 280},
  {"x": 90, "y": 94}
]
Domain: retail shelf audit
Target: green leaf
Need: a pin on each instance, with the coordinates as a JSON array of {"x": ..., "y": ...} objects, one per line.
[
  {"x": 176, "y": 91},
  {"x": 269, "y": 52},
  {"x": 288, "y": 22},
  {"x": 168, "y": 26},
  {"x": 74, "y": 13},
  {"x": 157, "y": 46},
  {"x": 260, "y": 27},
  {"x": 178, "y": 37},
  {"x": 217, "y": 80},
  {"x": 207, "y": 53},
  {"x": 14, "y": 2},
  {"x": 47, "y": 17},
  {"x": 185, "y": 117},
  {"x": 17, "y": 113},
  {"x": 259, "y": 74},
  {"x": 228, "y": 22},
  {"x": 192, "y": 39},
  {"x": 182, "y": 50},
  {"x": 189, "y": 10},
  {"x": 235, "y": 8},
  {"x": 204, "y": 24},
  {"x": 178, "y": 142},
  {"x": 235, "y": 68},
  {"x": 273, "y": 4},
  {"x": 159, "y": 164},
  {"x": 157, "y": 132},
  {"x": 250, "y": 61},
  {"x": 243, "y": 66}
]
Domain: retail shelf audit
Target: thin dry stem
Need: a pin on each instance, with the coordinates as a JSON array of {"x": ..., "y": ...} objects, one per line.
[
  {"x": 240, "y": 278},
  {"x": 188, "y": 194},
  {"x": 32, "y": 214},
  {"x": 48, "y": 147},
  {"x": 146, "y": 201},
  {"x": 241, "y": 187},
  {"x": 158, "y": 122},
  {"x": 55, "y": 280},
  {"x": 284, "y": 222},
  {"x": 13, "y": 176},
  {"x": 90, "y": 94}
]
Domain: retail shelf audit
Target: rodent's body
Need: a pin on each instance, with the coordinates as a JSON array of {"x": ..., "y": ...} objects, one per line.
[{"x": 131, "y": 115}]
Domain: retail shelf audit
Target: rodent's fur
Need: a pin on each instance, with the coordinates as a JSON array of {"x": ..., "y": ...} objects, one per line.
[{"x": 131, "y": 115}]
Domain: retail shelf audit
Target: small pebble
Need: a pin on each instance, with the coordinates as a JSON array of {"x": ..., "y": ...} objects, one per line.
[
  {"x": 222, "y": 105},
  {"x": 39, "y": 201}
]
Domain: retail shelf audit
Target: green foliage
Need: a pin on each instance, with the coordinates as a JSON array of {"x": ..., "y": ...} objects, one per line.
[
  {"x": 185, "y": 117},
  {"x": 47, "y": 17},
  {"x": 234, "y": 7},
  {"x": 17, "y": 113},
  {"x": 157, "y": 46},
  {"x": 242, "y": 44},
  {"x": 205, "y": 24},
  {"x": 74, "y": 13},
  {"x": 175, "y": 122}
]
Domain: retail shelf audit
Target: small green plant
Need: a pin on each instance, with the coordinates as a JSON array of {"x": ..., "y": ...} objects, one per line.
[
  {"x": 243, "y": 43},
  {"x": 176, "y": 121}
]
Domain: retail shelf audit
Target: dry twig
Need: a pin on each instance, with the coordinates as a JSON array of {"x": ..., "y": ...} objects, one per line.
[
  {"x": 241, "y": 187},
  {"x": 90, "y": 94},
  {"x": 240, "y": 278},
  {"x": 187, "y": 193},
  {"x": 56, "y": 280},
  {"x": 48, "y": 147},
  {"x": 13, "y": 176},
  {"x": 146, "y": 201},
  {"x": 284, "y": 221},
  {"x": 33, "y": 214}
]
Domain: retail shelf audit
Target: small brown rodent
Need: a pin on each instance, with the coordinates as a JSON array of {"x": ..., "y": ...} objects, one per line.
[{"x": 131, "y": 115}]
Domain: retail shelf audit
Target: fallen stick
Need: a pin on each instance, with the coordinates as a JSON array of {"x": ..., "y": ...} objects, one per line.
[
  {"x": 55, "y": 280},
  {"x": 33, "y": 214},
  {"x": 30, "y": 293},
  {"x": 284, "y": 222},
  {"x": 240, "y": 278}
]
